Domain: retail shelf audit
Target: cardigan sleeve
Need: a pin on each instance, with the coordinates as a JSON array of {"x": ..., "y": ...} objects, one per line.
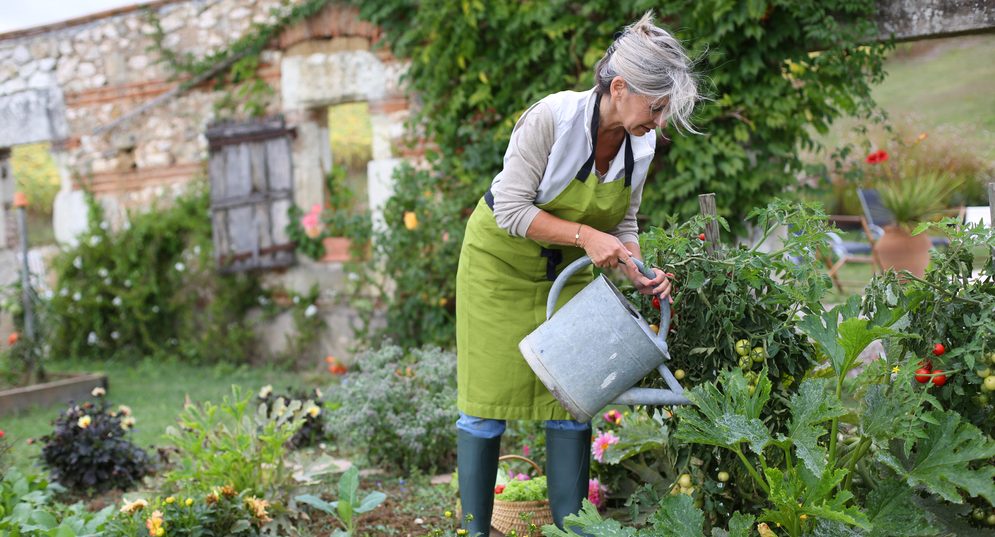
[{"x": 514, "y": 189}]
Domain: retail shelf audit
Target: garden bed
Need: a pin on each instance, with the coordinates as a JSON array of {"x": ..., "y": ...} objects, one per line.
[{"x": 63, "y": 387}]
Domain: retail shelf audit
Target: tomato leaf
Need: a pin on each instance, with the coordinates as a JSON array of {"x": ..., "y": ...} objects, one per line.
[{"x": 941, "y": 461}]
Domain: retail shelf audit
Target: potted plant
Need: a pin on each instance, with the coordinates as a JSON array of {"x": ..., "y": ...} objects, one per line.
[
  {"x": 912, "y": 198},
  {"x": 333, "y": 231}
]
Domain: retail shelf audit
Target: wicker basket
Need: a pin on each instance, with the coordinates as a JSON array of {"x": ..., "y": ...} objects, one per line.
[{"x": 507, "y": 515}]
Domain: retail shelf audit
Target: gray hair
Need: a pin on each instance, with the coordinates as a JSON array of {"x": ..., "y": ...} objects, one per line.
[{"x": 653, "y": 63}]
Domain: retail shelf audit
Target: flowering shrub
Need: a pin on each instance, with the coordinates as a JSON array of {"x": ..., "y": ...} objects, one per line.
[
  {"x": 222, "y": 511},
  {"x": 149, "y": 287},
  {"x": 398, "y": 408},
  {"x": 90, "y": 451}
]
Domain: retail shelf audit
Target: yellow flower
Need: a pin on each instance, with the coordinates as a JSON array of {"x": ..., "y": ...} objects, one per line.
[
  {"x": 448, "y": 514},
  {"x": 896, "y": 369},
  {"x": 410, "y": 220},
  {"x": 170, "y": 499},
  {"x": 84, "y": 422},
  {"x": 461, "y": 531},
  {"x": 265, "y": 391},
  {"x": 189, "y": 502},
  {"x": 127, "y": 423},
  {"x": 134, "y": 506},
  {"x": 155, "y": 524},
  {"x": 123, "y": 409},
  {"x": 313, "y": 411}
]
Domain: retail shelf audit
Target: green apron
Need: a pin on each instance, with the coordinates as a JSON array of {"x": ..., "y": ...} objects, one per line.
[{"x": 501, "y": 288}]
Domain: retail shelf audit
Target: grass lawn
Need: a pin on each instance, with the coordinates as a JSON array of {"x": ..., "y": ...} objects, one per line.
[{"x": 155, "y": 391}]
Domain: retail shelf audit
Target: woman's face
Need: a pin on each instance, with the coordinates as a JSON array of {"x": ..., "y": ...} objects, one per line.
[{"x": 638, "y": 114}]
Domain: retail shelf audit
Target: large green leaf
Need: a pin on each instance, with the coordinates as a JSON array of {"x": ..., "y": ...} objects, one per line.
[
  {"x": 842, "y": 342},
  {"x": 640, "y": 433},
  {"x": 892, "y": 514},
  {"x": 810, "y": 408},
  {"x": 589, "y": 521},
  {"x": 371, "y": 501},
  {"x": 941, "y": 461},
  {"x": 726, "y": 419},
  {"x": 800, "y": 492},
  {"x": 891, "y": 412},
  {"x": 826, "y": 528},
  {"x": 677, "y": 516}
]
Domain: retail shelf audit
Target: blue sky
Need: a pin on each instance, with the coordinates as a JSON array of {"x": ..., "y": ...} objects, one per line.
[{"x": 19, "y": 14}]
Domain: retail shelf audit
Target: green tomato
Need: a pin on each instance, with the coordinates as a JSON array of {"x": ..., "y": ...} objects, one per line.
[
  {"x": 989, "y": 384},
  {"x": 990, "y": 520},
  {"x": 981, "y": 399},
  {"x": 743, "y": 348},
  {"x": 745, "y": 363},
  {"x": 684, "y": 481},
  {"x": 984, "y": 372},
  {"x": 978, "y": 514},
  {"x": 758, "y": 354},
  {"x": 723, "y": 476},
  {"x": 991, "y": 358}
]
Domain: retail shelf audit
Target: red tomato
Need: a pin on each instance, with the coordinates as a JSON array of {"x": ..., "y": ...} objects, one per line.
[
  {"x": 939, "y": 349},
  {"x": 656, "y": 302},
  {"x": 923, "y": 375},
  {"x": 939, "y": 378},
  {"x": 499, "y": 489},
  {"x": 701, "y": 236}
]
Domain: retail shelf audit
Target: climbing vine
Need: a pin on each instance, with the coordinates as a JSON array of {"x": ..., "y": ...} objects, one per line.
[
  {"x": 476, "y": 66},
  {"x": 235, "y": 67}
]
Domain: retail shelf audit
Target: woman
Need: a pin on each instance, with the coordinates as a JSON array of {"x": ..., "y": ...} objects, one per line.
[{"x": 571, "y": 185}]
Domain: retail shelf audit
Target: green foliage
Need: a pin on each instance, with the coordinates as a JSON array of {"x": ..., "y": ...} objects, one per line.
[
  {"x": 398, "y": 407},
  {"x": 912, "y": 200},
  {"x": 149, "y": 288},
  {"x": 476, "y": 66},
  {"x": 348, "y": 505},
  {"x": 90, "y": 449},
  {"x": 529, "y": 490},
  {"x": 36, "y": 175},
  {"x": 236, "y": 443},
  {"x": 337, "y": 218},
  {"x": 675, "y": 516}
]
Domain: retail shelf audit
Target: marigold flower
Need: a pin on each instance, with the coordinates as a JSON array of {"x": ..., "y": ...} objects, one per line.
[
  {"x": 84, "y": 421},
  {"x": 170, "y": 499},
  {"x": 211, "y": 498},
  {"x": 601, "y": 444},
  {"x": 133, "y": 506},
  {"x": 188, "y": 502},
  {"x": 155, "y": 524},
  {"x": 228, "y": 491}
]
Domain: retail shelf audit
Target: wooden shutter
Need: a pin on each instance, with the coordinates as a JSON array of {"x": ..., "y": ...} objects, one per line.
[{"x": 251, "y": 191}]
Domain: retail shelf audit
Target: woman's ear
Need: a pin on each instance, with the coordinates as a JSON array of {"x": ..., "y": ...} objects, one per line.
[{"x": 618, "y": 85}]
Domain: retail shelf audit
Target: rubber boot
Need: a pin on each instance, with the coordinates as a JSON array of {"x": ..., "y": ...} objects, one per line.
[
  {"x": 477, "y": 463},
  {"x": 568, "y": 465}
]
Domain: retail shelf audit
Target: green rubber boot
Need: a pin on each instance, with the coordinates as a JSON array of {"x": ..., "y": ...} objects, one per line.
[
  {"x": 477, "y": 463},
  {"x": 568, "y": 465}
]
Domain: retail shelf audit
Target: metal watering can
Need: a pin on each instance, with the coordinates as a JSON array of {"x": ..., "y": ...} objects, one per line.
[{"x": 597, "y": 346}]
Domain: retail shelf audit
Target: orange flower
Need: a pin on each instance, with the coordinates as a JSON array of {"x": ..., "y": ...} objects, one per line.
[
  {"x": 12, "y": 338},
  {"x": 410, "y": 220}
]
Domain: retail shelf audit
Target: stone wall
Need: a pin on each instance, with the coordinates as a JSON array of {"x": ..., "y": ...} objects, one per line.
[{"x": 65, "y": 83}]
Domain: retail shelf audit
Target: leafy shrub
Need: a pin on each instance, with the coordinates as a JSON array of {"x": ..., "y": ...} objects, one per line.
[
  {"x": 237, "y": 443},
  {"x": 398, "y": 408},
  {"x": 90, "y": 451},
  {"x": 348, "y": 505},
  {"x": 223, "y": 511},
  {"x": 313, "y": 429},
  {"x": 28, "y": 507},
  {"x": 150, "y": 288}
]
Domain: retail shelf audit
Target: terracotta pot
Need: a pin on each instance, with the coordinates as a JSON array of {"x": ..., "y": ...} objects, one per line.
[
  {"x": 336, "y": 249},
  {"x": 900, "y": 250}
]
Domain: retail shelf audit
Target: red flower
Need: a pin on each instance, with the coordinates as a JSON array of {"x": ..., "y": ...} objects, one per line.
[
  {"x": 2, "y": 433},
  {"x": 877, "y": 157},
  {"x": 12, "y": 338}
]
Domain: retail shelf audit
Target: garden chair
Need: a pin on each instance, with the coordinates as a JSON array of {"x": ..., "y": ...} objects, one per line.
[{"x": 849, "y": 251}]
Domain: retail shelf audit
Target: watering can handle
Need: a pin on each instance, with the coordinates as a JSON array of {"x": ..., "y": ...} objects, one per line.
[{"x": 583, "y": 261}]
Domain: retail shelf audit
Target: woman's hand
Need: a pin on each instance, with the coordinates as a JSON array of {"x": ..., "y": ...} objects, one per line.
[
  {"x": 659, "y": 285},
  {"x": 605, "y": 250}
]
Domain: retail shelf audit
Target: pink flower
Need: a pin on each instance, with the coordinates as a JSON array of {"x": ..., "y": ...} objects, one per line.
[
  {"x": 311, "y": 222},
  {"x": 522, "y": 477},
  {"x": 526, "y": 450},
  {"x": 613, "y": 416},
  {"x": 601, "y": 443},
  {"x": 596, "y": 493}
]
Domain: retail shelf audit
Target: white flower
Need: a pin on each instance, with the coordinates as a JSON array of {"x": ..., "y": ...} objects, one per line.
[
  {"x": 117, "y": 301},
  {"x": 64, "y": 291},
  {"x": 265, "y": 391},
  {"x": 127, "y": 423},
  {"x": 180, "y": 267},
  {"x": 78, "y": 262},
  {"x": 311, "y": 310},
  {"x": 77, "y": 296},
  {"x": 124, "y": 410},
  {"x": 196, "y": 249},
  {"x": 94, "y": 240},
  {"x": 91, "y": 338},
  {"x": 104, "y": 225},
  {"x": 115, "y": 335},
  {"x": 155, "y": 309},
  {"x": 108, "y": 281},
  {"x": 297, "y": 299},
  {"x": 102, "y": 272},
  {"x": 98, "y": 392},
  {"x": 262, "y": 300},
  {"x": 127, "y": 283}
]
